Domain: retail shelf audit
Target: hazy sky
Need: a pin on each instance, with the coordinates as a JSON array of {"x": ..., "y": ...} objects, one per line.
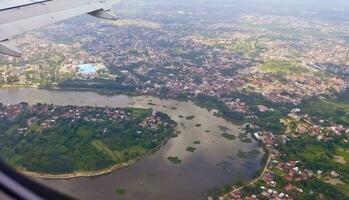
[
  {"x": 333, "y": 10},
  {"x": 305, "y": 4}
]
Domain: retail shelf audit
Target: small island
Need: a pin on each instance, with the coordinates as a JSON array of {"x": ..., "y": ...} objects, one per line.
[
  {"x": 228, "y": 136},
  {"x": 241, "y": 154},
  {"x": 191, "y": 149},
  {"x": 246, "y": 140},
  {"x": 120, "y": 191},
  {"x": 55, "y": 140},
  {"x": 190, "y": 117},
  {"x": 174, "y": 159},
  {"x": 254, "y": 152}
]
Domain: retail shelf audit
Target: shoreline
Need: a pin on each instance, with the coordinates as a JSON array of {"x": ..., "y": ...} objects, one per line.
[
  {"x": 120, "y": 165},
  {"x": 74, "y": 174},
  {"x": 253, "y": 181},
  {"x": 18, "y": 86},
  {"x": 264, "y": 165}
]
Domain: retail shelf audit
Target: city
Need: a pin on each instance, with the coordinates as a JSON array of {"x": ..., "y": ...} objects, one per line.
[{"x": 282, "y": 78}]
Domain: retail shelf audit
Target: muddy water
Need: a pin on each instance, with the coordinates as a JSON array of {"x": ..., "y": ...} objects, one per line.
[{"x": 213, "y": 164}]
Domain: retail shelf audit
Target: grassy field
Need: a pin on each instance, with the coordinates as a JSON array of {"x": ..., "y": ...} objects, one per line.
[
  {"x": 329, "y": 109},
  {"x": 343, "y": 188},
  {"x": 105, "y": 149},
  {"x": 135, "y": 151},
  {"x": 139, "y": 112},
  {"x": 312, "y": 152},
  {"x": 278, "y": 172},
  {"x": 246, "y": 47},
  {"x": 343, "y": 153},
  {"x": 280, "y": 66},
  {"x": 84, "y": 131}
]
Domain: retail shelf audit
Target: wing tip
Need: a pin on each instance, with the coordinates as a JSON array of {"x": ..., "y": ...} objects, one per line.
[
  {"x": 7, "y": 47},
  {"x": 104, "y": 14}
]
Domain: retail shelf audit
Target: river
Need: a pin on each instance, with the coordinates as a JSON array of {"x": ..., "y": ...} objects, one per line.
[{"x": 214, "y": 164}]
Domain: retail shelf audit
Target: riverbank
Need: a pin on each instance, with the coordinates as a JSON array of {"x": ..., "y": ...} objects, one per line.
[
  {"x": 259, "y": 174},
  {"x": 265, "y": 169},
  {"x": 73, "y": 175},
  {"x": 19, "y": 86},
  {"x": 154, "y": 171}
]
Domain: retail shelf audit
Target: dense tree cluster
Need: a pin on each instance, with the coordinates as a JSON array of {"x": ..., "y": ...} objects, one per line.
[{"x": 76, "y": 144}]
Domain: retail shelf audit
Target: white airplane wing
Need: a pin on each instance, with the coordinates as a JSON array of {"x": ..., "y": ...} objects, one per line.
[{"x": 19, "y": 16}]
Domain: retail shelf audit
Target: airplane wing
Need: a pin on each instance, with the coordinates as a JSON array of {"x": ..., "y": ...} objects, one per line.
[{"x": 19, "y": 16}]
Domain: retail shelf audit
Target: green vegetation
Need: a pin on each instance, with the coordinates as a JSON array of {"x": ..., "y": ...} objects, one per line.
[
  {"x": 254, "y": 152},
  {"x": 278, "y": 172},
  {"x": 99, "y": 85},
  {"x": 190, "y": 117},
  {"x": 84, "y": 145},
  {"x": 318, "y": 155},
  {"x": 343, "y": 97},
  {"x": 244, "y": 47},
  {"x": 115, "y": 156},
  {"x": 228, "y": 136},
  {"x": 250, "y": 47},
  {"x": 120, "y": 191},
  {"x": 246, "y": 140},
  {"x": 241, "y": 154},
  {"x": 280, "y": 66},
  {"x": 332, "y": 109},
  {"x": 196, "y": 142},
  {"x": 174, "y": 159},
  {"x": 174, "y": 135},
  {"x": 343, "y": 153},
  {"x": 266, "y": 120},
  {"x": 191, "y": 149}
]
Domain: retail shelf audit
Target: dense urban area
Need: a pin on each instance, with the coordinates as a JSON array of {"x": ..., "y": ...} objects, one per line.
[{"x": 282, "y": 77}]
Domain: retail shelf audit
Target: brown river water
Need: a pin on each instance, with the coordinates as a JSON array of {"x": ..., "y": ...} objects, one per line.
[{"x": 214, "y": 164}]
